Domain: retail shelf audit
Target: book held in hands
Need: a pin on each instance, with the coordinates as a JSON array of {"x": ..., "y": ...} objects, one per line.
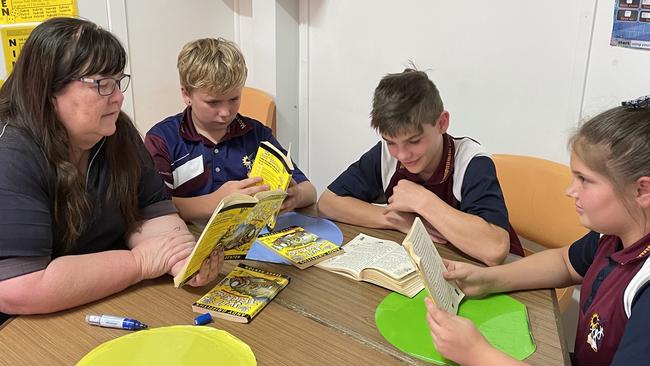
[
  {"x": 302, "y": 248},
  {"x": 242, "y": 294},
  {"x": 377, "y": 261},
  {"x": 275, "y": 168},
  {"x": 235, "y": 223},
  {"x": 430, "y": 267},
  {"x": 236, "y": 253}
]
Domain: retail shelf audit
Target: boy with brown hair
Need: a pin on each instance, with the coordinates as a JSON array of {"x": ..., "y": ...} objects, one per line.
[{"x": 418, "y": 169}]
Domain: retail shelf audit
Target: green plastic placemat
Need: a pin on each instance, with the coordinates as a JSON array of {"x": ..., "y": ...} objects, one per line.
[{"x": 502, "y": 320}]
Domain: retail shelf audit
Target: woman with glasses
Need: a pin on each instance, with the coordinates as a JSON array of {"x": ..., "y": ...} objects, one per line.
[{"x": 83, "y": 212}]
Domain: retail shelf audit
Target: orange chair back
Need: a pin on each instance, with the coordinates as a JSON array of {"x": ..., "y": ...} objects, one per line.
[
  {"x": 534, "y": 190},
  {"x": 258, "y": 105},
  {"x": 538, "y": 208}
]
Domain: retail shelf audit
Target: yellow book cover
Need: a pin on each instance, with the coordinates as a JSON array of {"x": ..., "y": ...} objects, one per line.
[
  {"x": 274, "y": 167},
  {"x": 300, "y": 247},
  {"x": 235, "y": 223},
  {"x": 235, "y": 253},
  {"x": 241, "y": 294}
]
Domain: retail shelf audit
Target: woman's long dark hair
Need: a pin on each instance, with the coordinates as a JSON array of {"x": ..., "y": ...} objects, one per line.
[{"x": 59, "y": 51}]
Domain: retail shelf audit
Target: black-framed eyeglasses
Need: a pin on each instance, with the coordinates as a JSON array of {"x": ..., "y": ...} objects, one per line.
[{"x": 106, "y": 86}]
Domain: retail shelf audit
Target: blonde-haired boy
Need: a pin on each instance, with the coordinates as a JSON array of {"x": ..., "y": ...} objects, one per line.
[{"x": 205, "y": 152}]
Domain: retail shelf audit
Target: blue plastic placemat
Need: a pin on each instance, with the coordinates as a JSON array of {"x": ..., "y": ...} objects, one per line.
[{"x": 317, "y": 225}]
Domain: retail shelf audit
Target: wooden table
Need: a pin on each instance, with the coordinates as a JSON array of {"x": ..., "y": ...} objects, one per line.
[{"x": 319, "y": 319}]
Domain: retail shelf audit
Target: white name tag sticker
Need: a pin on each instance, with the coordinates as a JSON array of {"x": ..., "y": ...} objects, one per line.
[{"x": 187, "y": 171}]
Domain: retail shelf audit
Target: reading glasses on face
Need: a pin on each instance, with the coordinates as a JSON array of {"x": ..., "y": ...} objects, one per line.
[{"x": 106, "y": 86}]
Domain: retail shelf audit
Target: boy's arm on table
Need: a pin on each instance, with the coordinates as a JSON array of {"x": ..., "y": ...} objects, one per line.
[
  {"x": 471, "y": 234},
  {"x": 357, "y": 212}
]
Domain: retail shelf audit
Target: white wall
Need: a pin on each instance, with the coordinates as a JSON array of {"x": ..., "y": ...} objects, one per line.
[
  {"x": 517, "y": 77},
  {"x": 157, "y": 29},
  {"x": 267, "y": 33},
  {"x": 510, "y": 74}
]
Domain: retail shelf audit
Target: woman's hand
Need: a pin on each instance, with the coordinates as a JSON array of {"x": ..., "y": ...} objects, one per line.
[
  {"x": 209, "y": 270},
  {"x": 157, "y": 254}
]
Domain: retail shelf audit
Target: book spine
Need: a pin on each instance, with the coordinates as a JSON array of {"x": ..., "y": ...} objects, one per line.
[
  {"x": 319, "y": 256},
  {"x": 253, "y": 269},
  {"x": 283, "y": 231},
  {"x": 225, "y": 311},
  {"x": 234, "y": 257}
]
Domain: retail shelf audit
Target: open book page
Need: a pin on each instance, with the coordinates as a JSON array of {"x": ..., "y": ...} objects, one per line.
[
  {"x": 365, "y": 251},
  {"x": 427, "y": 260},
  {"x": 395, "y": 263}
]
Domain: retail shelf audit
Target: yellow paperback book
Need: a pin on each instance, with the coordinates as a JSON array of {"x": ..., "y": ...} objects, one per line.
[
  {"x": 238, "y": 252},
  {"x": 300, "y": 247},
  {"x": 235, "y": 223},
  {"x": 274, "y": 167},
  {"x": 242, "y": 294}
]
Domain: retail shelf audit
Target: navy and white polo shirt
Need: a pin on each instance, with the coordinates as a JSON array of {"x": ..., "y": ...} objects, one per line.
[
  {"x": 605, "y": 334},
  {"x": 191, "y": 165},
  {"x": 465, "y": 179}
]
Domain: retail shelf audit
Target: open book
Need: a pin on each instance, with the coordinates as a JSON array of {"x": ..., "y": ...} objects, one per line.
[
  {"x": 235, "y": 222},
  {"x": 378, "y": 261},
  {"x": 430, "y": 267},
  {"x": 241, "y": 294},
  {"x": 274, "y": 167},
  {"x": 302, "y": 248}
]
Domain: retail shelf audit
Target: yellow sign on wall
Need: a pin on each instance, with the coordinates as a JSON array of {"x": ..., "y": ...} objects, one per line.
[
  {"x": 26, "y": 11},
  {"x": 13, "y": 39}
]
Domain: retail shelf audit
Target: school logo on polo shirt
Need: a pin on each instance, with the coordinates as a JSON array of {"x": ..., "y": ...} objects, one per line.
[
  {"x": 596, "y": 332},
  {"x": 247, "y": 162}
]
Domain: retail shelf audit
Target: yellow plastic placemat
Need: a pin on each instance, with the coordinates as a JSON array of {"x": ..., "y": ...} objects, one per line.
[{"x": 175, "y": 345}]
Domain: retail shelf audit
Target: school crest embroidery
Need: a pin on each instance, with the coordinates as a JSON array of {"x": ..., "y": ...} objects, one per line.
[
  {"x": 596, "y": 332},
  {"x": 247, "y": 162}
]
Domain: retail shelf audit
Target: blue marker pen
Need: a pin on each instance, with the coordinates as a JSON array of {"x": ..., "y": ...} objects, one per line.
[{"x": 118, "y": 322}]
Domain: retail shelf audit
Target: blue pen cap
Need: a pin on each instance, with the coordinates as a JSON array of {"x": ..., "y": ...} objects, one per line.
[{"x": 203, "y": 319}]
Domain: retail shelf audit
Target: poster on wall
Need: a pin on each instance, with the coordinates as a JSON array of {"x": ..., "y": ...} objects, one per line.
[
  {"x": 13, "y": 39},
  {"x": 631, "y": 24},
  {"x": 27, "y": 11},
  {"x": 17, "y": 20}
]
